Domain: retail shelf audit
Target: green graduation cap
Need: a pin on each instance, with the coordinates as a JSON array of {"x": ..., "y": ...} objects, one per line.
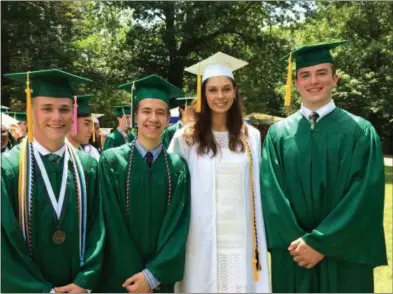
[
  {"x": 52, "y": 83},
  {"x": 154, "y": 87},
  {"x": 20, "y": 116},
  {"x": 4, "y": 109},
  {"x": 83, "y": 105},
  {"x": 49, "y": 82},
  {"x": 184, "y": 101},
  {"x": 308, "y": 55},
  {"x": 121, "y": 110}
]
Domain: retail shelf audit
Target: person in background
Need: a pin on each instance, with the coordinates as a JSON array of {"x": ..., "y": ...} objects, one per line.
[{"x": 121, "y": 135}]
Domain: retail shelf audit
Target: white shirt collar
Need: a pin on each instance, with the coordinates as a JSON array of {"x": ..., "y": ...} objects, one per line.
[
  {"x": 43, "y": 151},
  {"x": 323, "y": 111}
]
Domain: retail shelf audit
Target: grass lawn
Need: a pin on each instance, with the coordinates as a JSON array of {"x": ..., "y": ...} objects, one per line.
[{"x": 383, "y": 276}]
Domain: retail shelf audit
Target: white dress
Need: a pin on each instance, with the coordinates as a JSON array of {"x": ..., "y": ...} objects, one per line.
[{"x": 219, "y": 248}]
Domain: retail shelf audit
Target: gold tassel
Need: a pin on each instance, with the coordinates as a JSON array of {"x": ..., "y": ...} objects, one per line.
[
  {"x": 94, "y": 130},
  {"x": 287, "y": 101},
  {"x": 199, "y": 90},
  {"x": 29, "y": 110}
]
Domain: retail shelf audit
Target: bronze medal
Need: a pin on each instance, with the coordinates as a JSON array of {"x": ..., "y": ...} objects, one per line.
[{"x": 58, "y": 237}]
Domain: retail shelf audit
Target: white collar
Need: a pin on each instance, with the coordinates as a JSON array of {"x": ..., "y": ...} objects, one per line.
[
  {"x": 323, "y": 111},
  {"x": 43, "y": 151}
]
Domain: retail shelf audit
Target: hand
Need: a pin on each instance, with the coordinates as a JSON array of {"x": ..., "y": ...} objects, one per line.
[
  {"x": 303, "y": 254},
  {"x": 70, "y": 288},
  {"x": 137, "y": 284}
]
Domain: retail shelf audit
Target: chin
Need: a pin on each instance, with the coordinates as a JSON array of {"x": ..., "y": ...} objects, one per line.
[{"x": 220, "y": 110}]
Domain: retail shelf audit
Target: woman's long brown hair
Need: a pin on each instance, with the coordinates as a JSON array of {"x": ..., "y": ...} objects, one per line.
[{"x": 201, "y": 131}]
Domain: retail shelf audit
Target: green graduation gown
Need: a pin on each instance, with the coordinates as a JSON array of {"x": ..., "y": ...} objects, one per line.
[
  {"x": 169, "y": 133},
  {"x": 152, "y": 235},
  {"x": 51, "y": 265},
  {"x": 116, "y": 139},
  {"x": 326, "y": 186}
]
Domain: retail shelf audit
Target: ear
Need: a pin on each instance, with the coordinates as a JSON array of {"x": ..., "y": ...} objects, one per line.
[{"x": 336, "y": 78}]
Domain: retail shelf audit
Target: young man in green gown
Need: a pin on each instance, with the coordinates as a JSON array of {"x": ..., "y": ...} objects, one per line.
[
  {"x": 145, "y": 193},
  {"x": 52, "y": 229},
  {"x": 323, "y": 188},
  {"x": 122, "y": 134}
]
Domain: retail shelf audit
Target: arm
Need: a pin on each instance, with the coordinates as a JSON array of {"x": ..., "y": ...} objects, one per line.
[
  {"x": 281, "y": 224},
  {"x": 168, "y": 265},
  {"x": 354, "y": 229},
  {"x": 18, "y": 272}
]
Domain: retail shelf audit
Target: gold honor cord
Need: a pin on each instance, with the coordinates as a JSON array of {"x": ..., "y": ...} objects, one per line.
[{"x": 255, "y": 260}]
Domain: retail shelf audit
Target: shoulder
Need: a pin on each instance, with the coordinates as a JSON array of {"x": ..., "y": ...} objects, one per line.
[
  {"x": 253, "y": 132},
  {"x": 10, "y": 161},
  {"x": 87, "y": 161},
  {"x": 285, "y": 126},
  {"x": 351, "y": 120},
  {"x": 116, "y": 155},
  {"x": 178, "y": 163}
]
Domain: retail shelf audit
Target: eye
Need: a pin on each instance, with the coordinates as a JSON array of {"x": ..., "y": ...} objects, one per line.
[
  {"x": 65, "y": 110},
  {"x": 212, "y": 90}
]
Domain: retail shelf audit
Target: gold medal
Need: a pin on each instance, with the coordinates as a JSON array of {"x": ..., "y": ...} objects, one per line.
[{"x": 58, "y": 237}]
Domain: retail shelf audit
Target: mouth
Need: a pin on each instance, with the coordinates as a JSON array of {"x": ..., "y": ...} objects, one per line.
[
  {"x": 221, "y": 104},
  {"x": 152, "y": 128},
  {"x": 315, "y": 90},
  {"x": 56, "y": 127}
]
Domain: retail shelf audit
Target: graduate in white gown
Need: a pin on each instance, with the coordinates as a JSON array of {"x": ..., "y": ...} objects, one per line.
[{"x": 226, "y": 246}]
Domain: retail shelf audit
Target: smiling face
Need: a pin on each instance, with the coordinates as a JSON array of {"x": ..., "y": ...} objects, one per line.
[
  {"x": 315, "y": 84},
  {"x": 152, "y": 118},
  {"x": 52, "y": 118},
  {"x": 220, "y": 94}
]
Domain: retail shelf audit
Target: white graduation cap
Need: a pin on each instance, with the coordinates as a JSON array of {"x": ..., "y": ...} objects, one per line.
[
  {"x": 96, "y": 116},
  {"x": 219, "y": 64}
]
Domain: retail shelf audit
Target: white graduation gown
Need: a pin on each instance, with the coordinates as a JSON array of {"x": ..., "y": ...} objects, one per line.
[{"x": 219, "y": 248}]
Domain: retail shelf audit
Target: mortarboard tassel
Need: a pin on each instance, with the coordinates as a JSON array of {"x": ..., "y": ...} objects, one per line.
[
  {"x": 199, "y": 90},
  {"x": 287, "y": 101},
  {"x": 132, "y": 123},
  {"x": 75, "y": 117},
  {"x": 94, "y": 130},
  {"x": 29, "y": 109}
]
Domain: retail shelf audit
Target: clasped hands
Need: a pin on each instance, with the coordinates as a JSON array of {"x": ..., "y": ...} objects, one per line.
[{"x": 303, "y": 254}]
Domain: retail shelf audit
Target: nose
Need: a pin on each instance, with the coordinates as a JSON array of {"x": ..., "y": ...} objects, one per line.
[
  {"x": 313, "y": 79},
  {"x": 220, "y": 94},
  {"x": 153, "y": 117},
  {"x": 56, "y": 115}
]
